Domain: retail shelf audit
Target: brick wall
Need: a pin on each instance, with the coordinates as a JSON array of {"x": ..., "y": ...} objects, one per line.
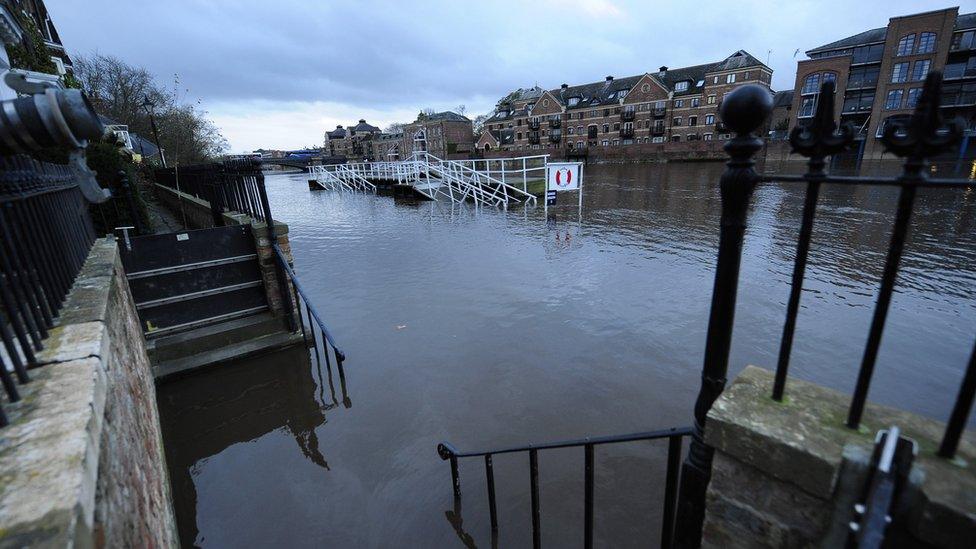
[{"x": 83, "y": 461}]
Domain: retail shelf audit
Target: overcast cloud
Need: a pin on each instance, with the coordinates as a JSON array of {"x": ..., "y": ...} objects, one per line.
[{"x": 278, "y": 74}]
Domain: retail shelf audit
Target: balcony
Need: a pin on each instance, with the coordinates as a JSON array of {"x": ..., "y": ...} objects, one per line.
[
  {"x": 555, "y": 122},
  {"x": 555, "y": 137},
  {"x": 533, "y": 124},
  {"x": 956, "y": 71},
  {"x": 626, "y": 133},
  {"x": 627, "y": 116},
  {"x": 534, "y": 138}
]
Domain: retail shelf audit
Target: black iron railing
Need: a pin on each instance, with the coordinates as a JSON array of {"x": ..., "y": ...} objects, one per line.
[
  {"x": 448, "y": 452},
  {"x": 229, "y": 186},
  {"x": 916, "y": 140},
  {"x": 45, "y": 236},
  {"x": 317, "y": 333}
]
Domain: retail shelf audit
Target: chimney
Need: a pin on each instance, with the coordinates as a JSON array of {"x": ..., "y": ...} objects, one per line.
[
  {"x": 564, "y": 86},
  {"x": 362, "y": 120},
  {"x": 661, "y": 71},
  {"x": 609, "y": 79}
]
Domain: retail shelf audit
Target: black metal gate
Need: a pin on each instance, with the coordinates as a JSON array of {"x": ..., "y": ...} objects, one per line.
[{"x": 193, "y": 278}]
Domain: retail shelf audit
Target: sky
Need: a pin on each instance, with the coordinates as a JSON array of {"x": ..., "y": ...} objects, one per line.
[{"x": 279, "y": 74}]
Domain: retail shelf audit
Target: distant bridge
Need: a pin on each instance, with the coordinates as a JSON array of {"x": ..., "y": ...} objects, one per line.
[{"x": 302, "y": 162}]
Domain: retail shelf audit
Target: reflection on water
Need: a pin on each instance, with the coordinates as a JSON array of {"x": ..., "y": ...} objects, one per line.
[
  {"x": 490, "y": 328},
  {"x": 239, "y": 403}
]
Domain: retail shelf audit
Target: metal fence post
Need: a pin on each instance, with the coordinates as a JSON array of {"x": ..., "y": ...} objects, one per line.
[
  {"x": 130, "y": 201},
  {"x": 743, "y": 111}
]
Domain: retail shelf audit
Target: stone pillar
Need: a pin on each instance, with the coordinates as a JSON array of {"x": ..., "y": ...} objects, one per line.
[
  {"x": 787, "y": 474},
  {"x": 268, "y": 263}
]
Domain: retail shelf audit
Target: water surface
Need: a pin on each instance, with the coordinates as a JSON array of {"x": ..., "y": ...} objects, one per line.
[{"x": 491, "y": 328}]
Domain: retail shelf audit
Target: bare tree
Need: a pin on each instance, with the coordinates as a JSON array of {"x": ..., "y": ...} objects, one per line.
[
  {"x": 461, "y": 109},
  {"x": 127, "y": 94},
  {"x": 394, "y": 127}
]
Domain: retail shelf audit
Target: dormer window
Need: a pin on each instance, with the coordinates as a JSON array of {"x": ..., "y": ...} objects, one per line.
[
  {"x": 573, "y": 101},
  {"x": 681, "y": 86}
]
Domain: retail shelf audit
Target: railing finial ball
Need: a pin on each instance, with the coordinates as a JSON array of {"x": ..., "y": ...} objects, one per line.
[
  {"x": 746, "y": 108},
  {"x": 445, "y": 450}
]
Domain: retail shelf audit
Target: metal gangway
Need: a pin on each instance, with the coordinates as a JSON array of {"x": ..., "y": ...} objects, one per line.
[
  {"x": 497, "y": 182},
  {"x": 341, "y": 177}
]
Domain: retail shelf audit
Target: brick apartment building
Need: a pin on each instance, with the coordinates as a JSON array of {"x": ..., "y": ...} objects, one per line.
[
  {"x": 879, "y": 73},
  {"x": 667, "y": 106},
  {"x": 355, "y": 143},
  {"x": 443, "y": 134},
  {"x": 510, "y": 119}
]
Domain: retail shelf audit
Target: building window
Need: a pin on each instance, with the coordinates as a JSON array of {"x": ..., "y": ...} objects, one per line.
[
  {"x": 692, "y": 137},
  {"x": 657, "y": 140},
  {"x": 573, "y": 101},
  {"x": 863, "y": 77},
  {"x": 606, "y": 142},
  {"x": 730, "y": 78},
  {"x": 675, "y": 138},
  {"x": 616, "y": 142},
  {"x": 709, "y": 119},
  {"x": 606, "y": 113},
  {"x": 963, "y": 41},
  {"x": 867, "y": 54},
  {"x": 545, "y": 102},
  {"x": 893, "y": 101},
  {"x": 920, "y": 69},
  {"x": 678, "y": 103},
  {"x": 899, "y": 73},
  {"x": 706, "y": 137},
  {"x": 913, "y": 95},
  {"x": 606, "y": 128},
  {"x": 926, "y": 43},
  {"x": 518, "y": 135},
  {"x": 692, "y": 120},
  {"x": 579, "y": 115},
  {"x": 616, "y": 126},
  {"x": 811, "y": 84},
  {"x": 715, "y": 80},
  {"x": 645, "y": 88},
  {"x": 570, "y": 130},
  {"x": 906, "y": 44},
  {"x": 710, "y": 100},
  {"x": 579, "y": 144},
  {"x": 676, "y": 121},
  {"x": 807, "y": 106},
  {"x": 681, "y": 86},
  {"x": 900, "y": 118},
  {"x": 695, "y": 102}
]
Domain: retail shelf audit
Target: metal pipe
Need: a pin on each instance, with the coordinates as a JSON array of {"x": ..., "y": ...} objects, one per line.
[
  {"x": 588, "y": 497},
  {"x": 534, "y": 486},
  {"x": 490, "y": 479}
]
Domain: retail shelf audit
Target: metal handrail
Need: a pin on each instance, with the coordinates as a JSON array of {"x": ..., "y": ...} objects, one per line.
[
  {"x": 674, "y": 435},
  {"x": 310, "y": 310}
]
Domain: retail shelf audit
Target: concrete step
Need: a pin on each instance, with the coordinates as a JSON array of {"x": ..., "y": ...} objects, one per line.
[
  {"x": 214, "y": 357},
  {"x": 214, "y": 336}
]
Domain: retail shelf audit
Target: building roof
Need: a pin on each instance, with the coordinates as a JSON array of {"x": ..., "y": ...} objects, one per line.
[
  {"x": 965, "y": 21},
  {"x": 861, "y": 38},
  {"x": 447, "y": 116},
  {"x": 783, "y": 98},
  {"x": 604, "y": 92},
  {"x": 608, "y": 91},
  {"x": 143, "y": 146},
  {"x": 337, "y": 133},
  {"x": 364, "y": 127}
]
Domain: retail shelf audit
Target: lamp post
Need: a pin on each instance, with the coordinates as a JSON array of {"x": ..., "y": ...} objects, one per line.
[{"x": 149, "y": 105}]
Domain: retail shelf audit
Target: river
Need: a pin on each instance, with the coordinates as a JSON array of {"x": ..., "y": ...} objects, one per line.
[{"x": 491, "y": 328}]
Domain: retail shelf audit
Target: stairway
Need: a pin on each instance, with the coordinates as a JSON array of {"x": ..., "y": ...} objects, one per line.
[{"x": 218, "y": 343}]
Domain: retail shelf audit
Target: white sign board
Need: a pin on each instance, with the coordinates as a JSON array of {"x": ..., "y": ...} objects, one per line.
[{"x": 564, "y": 176}]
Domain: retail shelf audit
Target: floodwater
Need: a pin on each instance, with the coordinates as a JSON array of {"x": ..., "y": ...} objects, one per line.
[{"x": 491, "y": 328}]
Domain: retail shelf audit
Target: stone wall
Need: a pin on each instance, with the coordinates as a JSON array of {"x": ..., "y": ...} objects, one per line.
[
  {"x": 787, "y": 474},
  {"x": 82, "y": 462}
]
